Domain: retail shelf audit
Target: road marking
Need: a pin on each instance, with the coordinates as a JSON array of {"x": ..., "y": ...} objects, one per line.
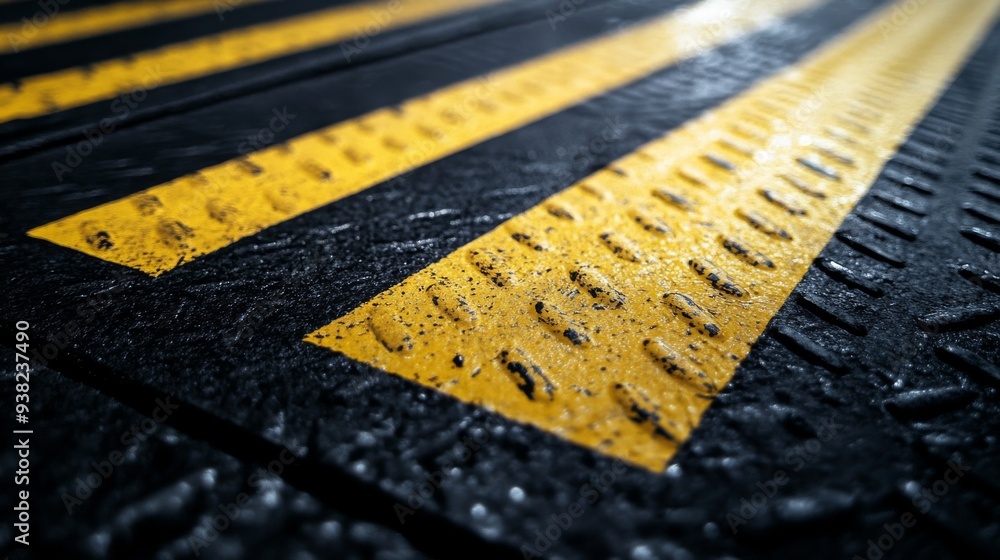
[
  {"x": 89, "y": 22},
  {"x": 48, "y": 93},
  {"x": 163, "y": 227},
  {"x": 612, "y": 313}
]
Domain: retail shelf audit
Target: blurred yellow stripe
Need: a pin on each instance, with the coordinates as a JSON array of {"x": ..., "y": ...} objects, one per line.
[
  {"x": 52, "y": 26},
  {"x": 47, "y": 93},
  {"x": 163, "y": 227}
]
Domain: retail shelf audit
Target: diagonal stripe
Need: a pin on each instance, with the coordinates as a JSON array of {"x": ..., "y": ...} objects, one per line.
[
  {"x": 65, "y": 89},
  {"x": 160, "y": 228},
  {"x": 61, "y": 27},
  {"x": 612, "y": 313}
]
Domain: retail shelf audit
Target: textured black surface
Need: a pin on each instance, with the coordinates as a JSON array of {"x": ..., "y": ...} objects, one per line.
[
  {"x": 133, "y": 487},
  {"x": 878, "y": 370},
  {"x": 900, "y": 349}
]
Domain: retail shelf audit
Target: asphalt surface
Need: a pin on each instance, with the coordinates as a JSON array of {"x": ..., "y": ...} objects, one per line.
[{"x": 876, "y": 380}]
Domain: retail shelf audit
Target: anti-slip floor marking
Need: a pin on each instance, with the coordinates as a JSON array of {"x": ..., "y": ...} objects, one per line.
[
  {"x": 163, "y": 227},
  {"x": 57, "y": 91},
  {"x": 62, "y": 27},
  {"x": 613, "y": 312}
]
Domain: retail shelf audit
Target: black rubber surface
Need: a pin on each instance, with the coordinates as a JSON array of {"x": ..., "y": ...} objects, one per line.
[
  {"x": 875, "y": 380},
  {"x": 135, "y": 487}
]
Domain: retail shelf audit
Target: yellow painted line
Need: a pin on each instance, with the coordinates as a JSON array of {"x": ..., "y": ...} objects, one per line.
[
  {"x": 170, "y": 224},
  {"x": 61, "y": 27},
  {"x": 65, "y": 89},
  {"x": 613, "y": 312}
]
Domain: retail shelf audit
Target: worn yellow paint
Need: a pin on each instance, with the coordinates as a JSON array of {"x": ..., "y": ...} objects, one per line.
[
  {"x": 170, "y": 224},
  {"x": 613, "y": 312},
  {"x": 60, "y": 27},
  {"x": 65, "y": 89}
]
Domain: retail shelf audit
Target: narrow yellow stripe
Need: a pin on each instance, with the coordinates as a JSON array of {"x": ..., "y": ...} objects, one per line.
[
  {"x": 60, "y": 27},
  {"x": 613, "y": 312},
  {"x": 165, "y": 226},
  {"x": 48, "y": 93}
]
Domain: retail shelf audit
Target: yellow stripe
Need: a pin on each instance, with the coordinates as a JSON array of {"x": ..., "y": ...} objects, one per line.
[
  {"x": 165, "y": 226},
  {"x": 48, "y": 93},
  {"x": 61, "y": 27},
  {"x": 613, "y": 312}
]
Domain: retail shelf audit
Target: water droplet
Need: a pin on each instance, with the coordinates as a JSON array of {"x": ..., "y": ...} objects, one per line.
[
  {"x": 642, "y": 552},
  {"x": 711, "y": 530},
  {"x": 516, "y": 494},
  {"x": 330, "y": 530},
  {"x": 366, "y": 439}
]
